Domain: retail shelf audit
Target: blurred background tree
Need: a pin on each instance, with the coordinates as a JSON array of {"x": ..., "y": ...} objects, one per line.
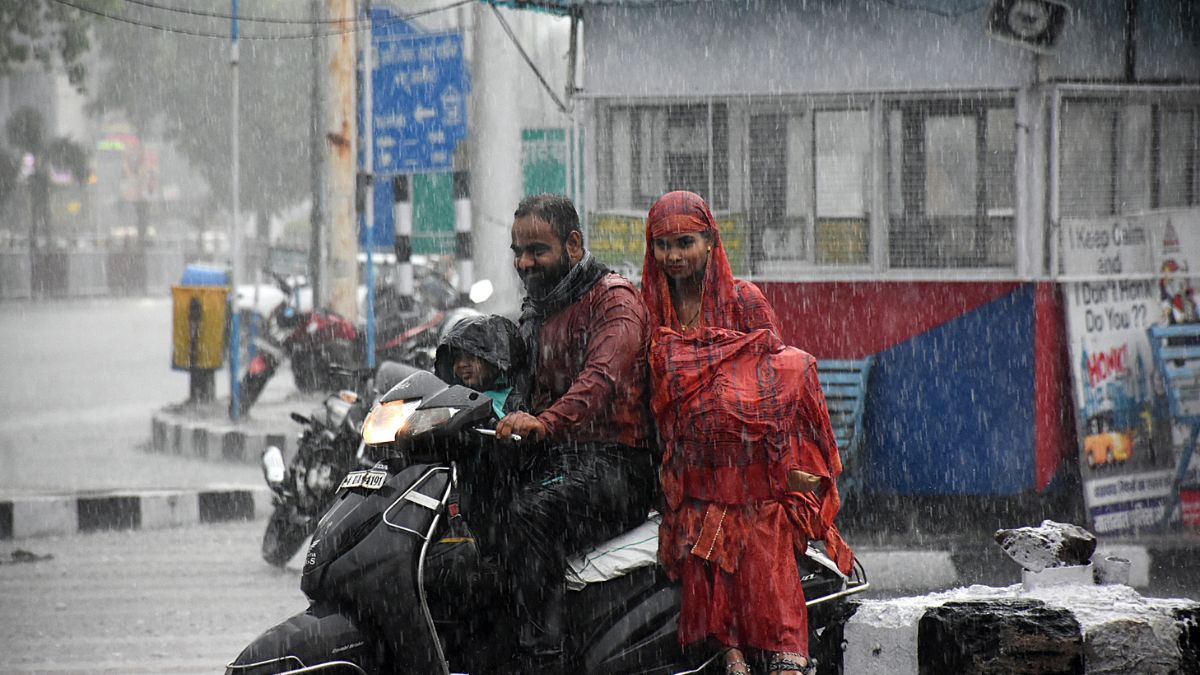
[
  {"x": 39, "y": 30},
  {"x": 176, "y": 84}
]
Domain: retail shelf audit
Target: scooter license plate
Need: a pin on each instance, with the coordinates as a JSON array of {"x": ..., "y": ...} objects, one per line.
[{"x": 368, "y": 480}]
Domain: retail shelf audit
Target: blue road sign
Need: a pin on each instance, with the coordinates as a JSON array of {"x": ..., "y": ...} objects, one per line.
[{"x": 420, "y": 101}]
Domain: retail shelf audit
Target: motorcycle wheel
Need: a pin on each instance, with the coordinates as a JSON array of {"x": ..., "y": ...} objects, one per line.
[
  {"x": 307, "y": 371},
  {"x": 252, "y": 387},
  {"x": 282, "y": 539}
]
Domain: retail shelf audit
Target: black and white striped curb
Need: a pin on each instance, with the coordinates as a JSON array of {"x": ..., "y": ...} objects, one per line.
[
  {"x": 37, "y": 516},
  {"x": 1076, "y": 629},
  {"x": 173, "y": 434}
]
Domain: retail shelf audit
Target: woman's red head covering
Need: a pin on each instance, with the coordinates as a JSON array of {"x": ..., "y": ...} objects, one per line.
[{"x": 676, "y": 213}]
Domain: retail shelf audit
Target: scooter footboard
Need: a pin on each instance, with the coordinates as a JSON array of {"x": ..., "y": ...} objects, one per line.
[{"x": 309, "y": 642}]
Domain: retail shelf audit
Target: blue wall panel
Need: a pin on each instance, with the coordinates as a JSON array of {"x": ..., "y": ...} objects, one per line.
[{"x": 951, "y": 411}]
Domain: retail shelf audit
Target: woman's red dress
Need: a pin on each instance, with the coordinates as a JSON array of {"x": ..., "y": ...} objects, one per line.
[{"x": 737, "y": 410}]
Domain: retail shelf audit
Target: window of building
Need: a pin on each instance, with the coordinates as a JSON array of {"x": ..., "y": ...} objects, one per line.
[
  {"x": 1087, "y": 183},
  {"x": 1178, "y": 146},
  {"x": 842, "y": 172},
  {"x": 1121, "y": 156},
  {"x": 655, "y": 149},
  {"x": 950, "y": 184},
  {"x": 777, "y": 207}
]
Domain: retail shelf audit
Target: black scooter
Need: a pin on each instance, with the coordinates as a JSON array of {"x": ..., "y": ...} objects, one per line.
[{"x": 397, "y": 584}]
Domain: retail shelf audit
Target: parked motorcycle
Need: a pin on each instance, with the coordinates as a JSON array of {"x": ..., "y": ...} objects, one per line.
[
  {"x": 312, "y": 340},
  {"x": 328, "y": 447},
  {"x": 397, "y": 583}
]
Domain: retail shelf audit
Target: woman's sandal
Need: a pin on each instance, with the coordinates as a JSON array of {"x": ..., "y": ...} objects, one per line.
[
  {"x": 784, "y": 661},
  {"x": 737, "y": 666}
]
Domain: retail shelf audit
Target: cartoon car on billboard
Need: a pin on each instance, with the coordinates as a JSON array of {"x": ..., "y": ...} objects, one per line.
[{"x": 1104, "y": 445}]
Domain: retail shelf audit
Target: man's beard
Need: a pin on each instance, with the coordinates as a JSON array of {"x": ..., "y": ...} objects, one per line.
[{"x": 540, "y": 281}]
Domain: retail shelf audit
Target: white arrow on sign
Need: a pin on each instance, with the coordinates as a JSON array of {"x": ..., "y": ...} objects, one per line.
[{"x": 422, "y": 113}]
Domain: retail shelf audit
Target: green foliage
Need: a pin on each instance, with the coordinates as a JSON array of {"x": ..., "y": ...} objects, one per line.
[
  {"x": 67, "y": 155},
  {"x": 26, "y": 133},
  {"x": 40, "y": 29},
  {"x": 182, "y": 85},
  {"x": 9, "y": 164},
  {"x": 25, "y": 130}
]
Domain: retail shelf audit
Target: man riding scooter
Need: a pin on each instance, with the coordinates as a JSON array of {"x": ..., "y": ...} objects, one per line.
[{"x": 590, "y": 472}]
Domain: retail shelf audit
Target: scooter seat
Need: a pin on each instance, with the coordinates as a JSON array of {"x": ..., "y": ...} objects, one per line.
[{"x": 616, "y": 557}]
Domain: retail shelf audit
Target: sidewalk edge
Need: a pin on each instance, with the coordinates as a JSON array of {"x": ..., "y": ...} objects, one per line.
[{"x": 24, "y": 517}]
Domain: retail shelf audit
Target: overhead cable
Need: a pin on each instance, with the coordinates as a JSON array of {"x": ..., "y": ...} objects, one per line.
[
  {"x": 945, "y": 14},
  {"x": 280, "y": 20},
  {"x": 532, "y": 66},
  {"x": 361, "y": 24}
]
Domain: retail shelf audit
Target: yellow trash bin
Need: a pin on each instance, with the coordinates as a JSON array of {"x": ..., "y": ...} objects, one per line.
[{"x": 200, "y": 320}]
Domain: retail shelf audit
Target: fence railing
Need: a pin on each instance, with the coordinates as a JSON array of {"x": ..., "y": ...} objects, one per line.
[{"x": 92, "y": 272}]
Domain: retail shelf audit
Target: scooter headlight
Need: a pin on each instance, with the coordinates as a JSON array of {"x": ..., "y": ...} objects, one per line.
[{"x": 386, "y": 419}]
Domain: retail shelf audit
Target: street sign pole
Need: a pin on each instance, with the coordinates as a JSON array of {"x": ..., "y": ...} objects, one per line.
[
  {"x": 369, "y": 180},
  {"x": 235, "y": 251}
]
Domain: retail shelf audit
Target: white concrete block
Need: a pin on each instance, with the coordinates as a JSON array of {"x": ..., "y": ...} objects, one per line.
[
  {"x": 169, "y": 509},
  {"x": 909, "y": 570},
  {"x": 39, "y": 516},
  {"x": 881, "y": 638},
  {"x": 1138, "y": 556}
]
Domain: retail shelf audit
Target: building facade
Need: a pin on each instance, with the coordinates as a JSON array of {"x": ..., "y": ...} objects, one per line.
[{"x": 896, "y": 180}]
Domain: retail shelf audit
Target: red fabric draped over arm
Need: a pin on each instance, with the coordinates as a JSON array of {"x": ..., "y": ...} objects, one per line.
[{"x": 737, "y": 412}]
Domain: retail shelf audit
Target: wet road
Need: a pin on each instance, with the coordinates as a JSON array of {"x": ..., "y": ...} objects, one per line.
[
  {"x": 168, "y": 601},
  {"x": 82, "y": 379}
]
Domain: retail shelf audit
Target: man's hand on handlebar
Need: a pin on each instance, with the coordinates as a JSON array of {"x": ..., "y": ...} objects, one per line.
[{"x": 520, "y": 424}]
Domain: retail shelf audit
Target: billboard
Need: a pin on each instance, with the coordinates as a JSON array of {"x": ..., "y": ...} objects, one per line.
[{"x": 1115, "y": 289}]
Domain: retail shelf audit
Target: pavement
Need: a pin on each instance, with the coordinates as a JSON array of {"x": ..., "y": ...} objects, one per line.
[{"x": 908, "y": 544}]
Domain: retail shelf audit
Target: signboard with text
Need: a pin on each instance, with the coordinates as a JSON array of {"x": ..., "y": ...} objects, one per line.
[
  {"x": 1127, "y": 451},
  {"x": 420, "y": 86},
  {"x": 619, "y": 241}
]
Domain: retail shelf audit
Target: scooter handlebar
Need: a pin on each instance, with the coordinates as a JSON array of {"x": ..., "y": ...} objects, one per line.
[{"x": 492, "y": 432}]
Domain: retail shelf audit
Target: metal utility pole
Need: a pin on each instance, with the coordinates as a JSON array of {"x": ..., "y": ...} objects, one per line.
[
  {"x": 495, "y": 180},
  {"x": 316, "y": 240},
  {"x": 235, "y": 250},
  {"x": 340, "y": 133}
]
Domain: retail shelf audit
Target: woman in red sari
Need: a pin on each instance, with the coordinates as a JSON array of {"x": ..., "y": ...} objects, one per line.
[{"x": 749, "y": 458}]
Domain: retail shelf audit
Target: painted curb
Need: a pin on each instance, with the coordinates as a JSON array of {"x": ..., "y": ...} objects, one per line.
[
  {"x": 173, "y": 434},
  {"x": 40, "y": 516}
]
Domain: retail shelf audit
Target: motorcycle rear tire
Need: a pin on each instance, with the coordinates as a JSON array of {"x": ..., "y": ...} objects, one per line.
[
  {"x": 309, "y": 371},
  {"x": 252, "y": 387},
  {"x": 282, "y": 539}
]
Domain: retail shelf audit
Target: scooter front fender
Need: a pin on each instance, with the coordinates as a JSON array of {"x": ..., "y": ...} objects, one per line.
[{"x": 310, "y": 642}]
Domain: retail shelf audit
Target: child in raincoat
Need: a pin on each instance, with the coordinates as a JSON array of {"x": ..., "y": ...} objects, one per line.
[{"x": 483, "y": 353}]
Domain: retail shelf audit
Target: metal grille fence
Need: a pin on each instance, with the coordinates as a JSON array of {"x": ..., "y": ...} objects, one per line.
[{"x": 801, "y": 175}]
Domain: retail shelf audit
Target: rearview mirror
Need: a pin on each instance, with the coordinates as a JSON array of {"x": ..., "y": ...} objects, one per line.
[{"x": 480, "y": 291}]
